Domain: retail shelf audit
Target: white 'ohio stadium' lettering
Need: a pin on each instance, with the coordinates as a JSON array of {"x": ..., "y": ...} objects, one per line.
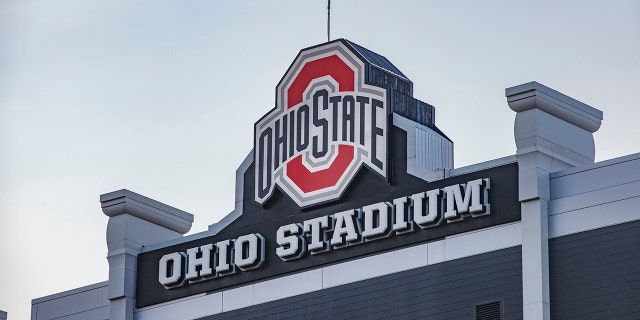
[
  {"x": 326, "y": 233},
  {"x": 211, "y": 261},
  {"x": 330, "y": 121},
  {"x": 384, "y": 219}
]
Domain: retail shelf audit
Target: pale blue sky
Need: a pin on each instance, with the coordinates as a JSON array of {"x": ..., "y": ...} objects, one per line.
[{"x": 160, "y": 97}]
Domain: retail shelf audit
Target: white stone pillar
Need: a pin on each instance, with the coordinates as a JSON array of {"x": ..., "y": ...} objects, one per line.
[
  {"x": 552, "y": 132},
  {"x": 135, "y": 221}
]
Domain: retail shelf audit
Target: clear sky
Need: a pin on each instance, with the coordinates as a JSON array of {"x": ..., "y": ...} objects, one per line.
[{"x": 160, "y": 97}]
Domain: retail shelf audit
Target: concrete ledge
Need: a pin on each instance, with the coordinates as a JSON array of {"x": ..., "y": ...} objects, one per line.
[
  {"x": 124, "y": 201},
  {"x": 597, "y": 165},
  {"x": 88, "y": 302},
  {"x": 70, "y": 292},
  {"x": 482, "y": 166},
  {"x": 535, "y": 95}
]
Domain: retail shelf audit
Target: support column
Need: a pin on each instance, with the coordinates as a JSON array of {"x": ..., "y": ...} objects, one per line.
[
  {"x": 135, "y": 221},
  {"x": 552, "y": 132}
]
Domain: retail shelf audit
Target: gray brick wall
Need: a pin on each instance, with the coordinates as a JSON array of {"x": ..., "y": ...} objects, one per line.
[
  {"x": 448, "y": 290},
  {"x": 596, "y": 274}
]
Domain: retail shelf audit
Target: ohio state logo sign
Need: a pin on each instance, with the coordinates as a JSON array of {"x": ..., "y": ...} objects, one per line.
[{"x": 326, "y": 125}]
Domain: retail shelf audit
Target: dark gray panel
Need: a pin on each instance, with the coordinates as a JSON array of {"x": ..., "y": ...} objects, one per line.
[
  {"x": 596, "y": 274},
  {"x": 448, "y": 290},
  {"x": 375, "y": 59},
  {"x": 366, "y": 189}
]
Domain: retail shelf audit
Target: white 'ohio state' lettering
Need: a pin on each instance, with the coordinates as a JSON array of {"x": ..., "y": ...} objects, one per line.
[{"x": 328, "y": 122}]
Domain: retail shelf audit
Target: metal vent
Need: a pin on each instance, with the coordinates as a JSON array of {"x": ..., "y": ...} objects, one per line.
[{"x": 489, "y": 311}]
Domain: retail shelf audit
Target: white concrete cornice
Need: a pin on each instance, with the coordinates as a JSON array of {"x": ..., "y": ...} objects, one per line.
[
  {"x": 128, "y": 202},
  {"x": 535, "y": 95}
]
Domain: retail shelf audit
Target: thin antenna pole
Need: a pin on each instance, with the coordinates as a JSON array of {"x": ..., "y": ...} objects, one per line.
[{"x": 328, "y": 20}]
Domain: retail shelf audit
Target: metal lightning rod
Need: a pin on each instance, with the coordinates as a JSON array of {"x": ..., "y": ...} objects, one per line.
[{"x": 328, "y": 20}]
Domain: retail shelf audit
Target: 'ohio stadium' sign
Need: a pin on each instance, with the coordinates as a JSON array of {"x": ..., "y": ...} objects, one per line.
[{"x": 330, "y": 232}]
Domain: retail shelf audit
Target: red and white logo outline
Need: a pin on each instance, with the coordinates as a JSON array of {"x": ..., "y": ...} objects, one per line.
[{"x": 308, "y": 180}]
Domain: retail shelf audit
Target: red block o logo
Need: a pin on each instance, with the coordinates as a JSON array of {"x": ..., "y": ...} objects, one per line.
[
  {"x": 312, "y": 181},
  {"x": 326, "y": 125}
]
